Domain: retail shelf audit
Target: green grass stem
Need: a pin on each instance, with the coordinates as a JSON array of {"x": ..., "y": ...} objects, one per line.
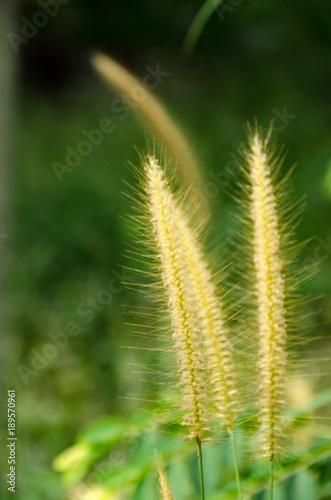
[
  {"x": 198, "y": 25},
  {"x": 271, "y": 492},
  {"x": 235, "y": 464},
  {"x": 202, "y": 483}
]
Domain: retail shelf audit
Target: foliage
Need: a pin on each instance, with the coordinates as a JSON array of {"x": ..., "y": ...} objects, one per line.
[{"x": 125, "y": 463}]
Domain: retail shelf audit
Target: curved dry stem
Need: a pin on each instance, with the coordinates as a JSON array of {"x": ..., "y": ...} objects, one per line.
[{"x": 153, "y": 111}]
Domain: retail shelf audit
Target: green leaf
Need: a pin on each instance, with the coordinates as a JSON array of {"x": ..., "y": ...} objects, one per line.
[
  {"x": 297, "y": 466},
  {"x": 124, "y": 476},
  {"x": 326, "y": 186},
  {"x": 72, "y": 457},
  {"x": 75, "y": 462},
  {"x": 107, "y": 430},
  {"x": 304, "y": 486},
  {"x": 198, "y": 25},
  {"x": 142, "y": 461},
  {"x": 325, "y": 492}
]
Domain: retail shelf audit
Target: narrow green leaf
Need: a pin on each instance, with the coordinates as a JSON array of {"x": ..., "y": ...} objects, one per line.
[
  {"x": 107, "y": 430},
  {"x": 198, "y": 24}
]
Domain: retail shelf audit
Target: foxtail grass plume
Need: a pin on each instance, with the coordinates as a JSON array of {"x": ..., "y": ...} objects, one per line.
[
  {"x": 222, "y": 379},
  {"x": 166, "y": 220},
  {"x": 165, "y": 491},
  {"x": 270, "y": 294},
  {"x": 153, "y": 111}
]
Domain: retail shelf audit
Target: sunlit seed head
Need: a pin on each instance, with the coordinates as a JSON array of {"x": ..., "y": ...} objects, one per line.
[
  {"x": 270, "y": 295},
  {"x": 166, "y": 220},
  {"x": 222, "y": 379},
  {"x": 165, "y": 491}
]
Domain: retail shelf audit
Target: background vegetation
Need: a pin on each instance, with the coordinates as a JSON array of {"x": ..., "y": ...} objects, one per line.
[{"x": 66, "y": 239}]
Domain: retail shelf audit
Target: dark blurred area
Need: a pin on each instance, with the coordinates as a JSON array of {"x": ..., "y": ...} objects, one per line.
[{"x": 66, "y": 240}]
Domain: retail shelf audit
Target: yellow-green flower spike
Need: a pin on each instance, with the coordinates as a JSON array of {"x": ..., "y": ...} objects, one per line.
[
  {"x": 165, "y": 491},
  {"x": 165, "y": 220},
  {"x": 213, "y": 328},
  {"x": 270, "y": 295}
]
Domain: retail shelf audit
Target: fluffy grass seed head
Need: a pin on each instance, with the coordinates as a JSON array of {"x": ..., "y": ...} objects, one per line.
[
  {"x": 219, "y": 359},
  {"x": 185, "y": 320},
  {"x": 270, "y": 295},
  {"x": 165, "y": 491}
]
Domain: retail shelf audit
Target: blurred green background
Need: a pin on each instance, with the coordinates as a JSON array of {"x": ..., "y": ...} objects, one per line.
[{"x": 65, "y": 240}]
